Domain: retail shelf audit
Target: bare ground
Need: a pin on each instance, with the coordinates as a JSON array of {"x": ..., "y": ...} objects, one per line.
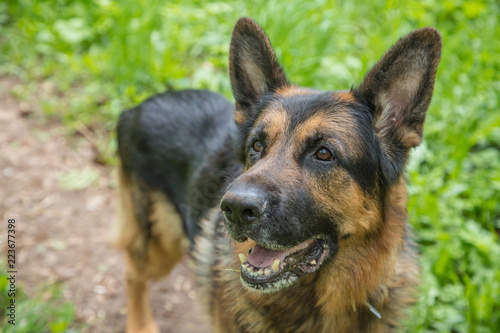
[{"x": 64, "y": 235}]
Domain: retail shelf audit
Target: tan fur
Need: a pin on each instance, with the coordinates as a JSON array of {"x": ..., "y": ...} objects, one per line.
[
  {"x": 372, "y": 264},
  {"x": 291, "y": 90},
  {"x": 146, "y": 259},
  {"x": 275, "y": 122},
  {"x": 239, "y": 117},
  {"x": 126, "y": 226},
  {"x": 367, "y": 263},
  {"x": 347, "y": 202},
  {"x": 344, "y": 96},
  {"x": 341, "y": 123},
  {"x": 364, "y": 271}
]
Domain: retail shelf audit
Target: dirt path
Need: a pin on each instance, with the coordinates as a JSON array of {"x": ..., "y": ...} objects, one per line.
[{"x": 64, "y": 235}]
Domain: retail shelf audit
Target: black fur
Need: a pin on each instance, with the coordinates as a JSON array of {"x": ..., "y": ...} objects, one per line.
[
  {"x": 193, "y": 162},
  {"x": 348, "y": 211},
  {"x": 302, "y": 107}
]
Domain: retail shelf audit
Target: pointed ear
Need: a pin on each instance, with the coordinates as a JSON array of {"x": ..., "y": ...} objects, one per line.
[
  {"x": 253, "y": 67},
  {"x": 398, "y": 90}
]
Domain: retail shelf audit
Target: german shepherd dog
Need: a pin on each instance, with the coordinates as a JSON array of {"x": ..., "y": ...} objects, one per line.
[{"x": 301, "y": 192}]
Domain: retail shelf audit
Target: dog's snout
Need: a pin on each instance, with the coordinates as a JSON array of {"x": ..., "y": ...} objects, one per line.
[{"x": 243, "y": 205}]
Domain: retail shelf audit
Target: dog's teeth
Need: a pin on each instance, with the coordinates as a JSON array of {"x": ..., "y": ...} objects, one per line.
[
  {"x": 267, "y": 271},
  {"x": 243, "y": 257},
  {"x": 248, "y": 269},
  {"x": 313, "y": 262},
  {"x": 260, "y": 272},
  {"x": 276, "y": 265}
]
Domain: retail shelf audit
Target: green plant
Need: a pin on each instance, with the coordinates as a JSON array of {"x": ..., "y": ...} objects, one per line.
[
  {"x": 46, "y": 312},
  {"x": 102, "y": 56}
]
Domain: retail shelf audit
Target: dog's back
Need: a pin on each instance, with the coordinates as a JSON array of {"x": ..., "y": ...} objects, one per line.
[
  {"x": 316, "y": 223},
  {"x": 172, "y": 143},
  {"x": 175, "y": 158}
]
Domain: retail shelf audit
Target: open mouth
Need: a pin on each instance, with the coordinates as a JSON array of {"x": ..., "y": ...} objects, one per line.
[{"x": 272, "y": 270}]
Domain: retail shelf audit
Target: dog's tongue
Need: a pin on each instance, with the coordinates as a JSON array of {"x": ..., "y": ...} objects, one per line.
[{"x": 262, "y": 257}]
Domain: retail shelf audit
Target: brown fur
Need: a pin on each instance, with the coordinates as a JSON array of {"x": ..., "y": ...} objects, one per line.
[
  {"x": 275, "y": 122},
  {"x": 292, "y": 90},
  {"x": 146, "y": 258},
  {"x": 379, "y": 269},
  {"x": 374, "y": 269},
  {"x": 344, "y": 96}
]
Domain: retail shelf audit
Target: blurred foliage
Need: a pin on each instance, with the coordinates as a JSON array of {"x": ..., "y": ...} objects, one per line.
[
  {"x": 46, "y": 312},
  {"x": 95, "y": 58},
  {"x": 77, "y": 179}
]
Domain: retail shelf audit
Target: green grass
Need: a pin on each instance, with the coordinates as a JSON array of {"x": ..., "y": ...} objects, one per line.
[
  {"x": 46, "y": 312},
  {"x": 102, "y": 56}
]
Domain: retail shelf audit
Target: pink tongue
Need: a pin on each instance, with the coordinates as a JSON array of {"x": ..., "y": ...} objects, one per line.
[{"x": 261, "y": 257}]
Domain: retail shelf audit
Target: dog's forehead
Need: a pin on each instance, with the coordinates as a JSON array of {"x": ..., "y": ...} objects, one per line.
[{"x": 298, "y": 114}]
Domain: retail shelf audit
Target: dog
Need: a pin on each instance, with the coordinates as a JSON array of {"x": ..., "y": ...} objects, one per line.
[{"x": 292, "y": 201}]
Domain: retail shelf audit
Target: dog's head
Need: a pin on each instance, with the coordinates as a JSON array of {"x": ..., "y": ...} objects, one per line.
[{"x": 318, "y": 165}]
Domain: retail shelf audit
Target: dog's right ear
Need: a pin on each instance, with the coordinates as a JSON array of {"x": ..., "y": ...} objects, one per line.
[{"x": 253, "y": 67}]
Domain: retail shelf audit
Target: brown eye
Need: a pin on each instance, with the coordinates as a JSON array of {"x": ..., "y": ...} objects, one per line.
[
  {"x": 257, "y": 146},
  {"x": 324, "y": 155}
]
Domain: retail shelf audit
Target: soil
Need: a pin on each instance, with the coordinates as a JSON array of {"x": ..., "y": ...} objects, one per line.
[{"x": 65, "y": 235}]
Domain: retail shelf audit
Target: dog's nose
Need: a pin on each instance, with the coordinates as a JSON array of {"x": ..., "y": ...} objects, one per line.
[{"x": 243, "y": 204}]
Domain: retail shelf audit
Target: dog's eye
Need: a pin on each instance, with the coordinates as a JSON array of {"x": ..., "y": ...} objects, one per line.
[
  {"x": 257, "y": 146},
  {"x": 324, "y": 154}
]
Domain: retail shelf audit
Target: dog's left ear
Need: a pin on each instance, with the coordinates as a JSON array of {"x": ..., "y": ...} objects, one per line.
[
  {"x": 398, "y": 90},
  {"x": 253, "y": 67}
]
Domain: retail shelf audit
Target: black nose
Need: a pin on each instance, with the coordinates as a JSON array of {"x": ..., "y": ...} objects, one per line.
[{"x": 243, "y": 204}]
